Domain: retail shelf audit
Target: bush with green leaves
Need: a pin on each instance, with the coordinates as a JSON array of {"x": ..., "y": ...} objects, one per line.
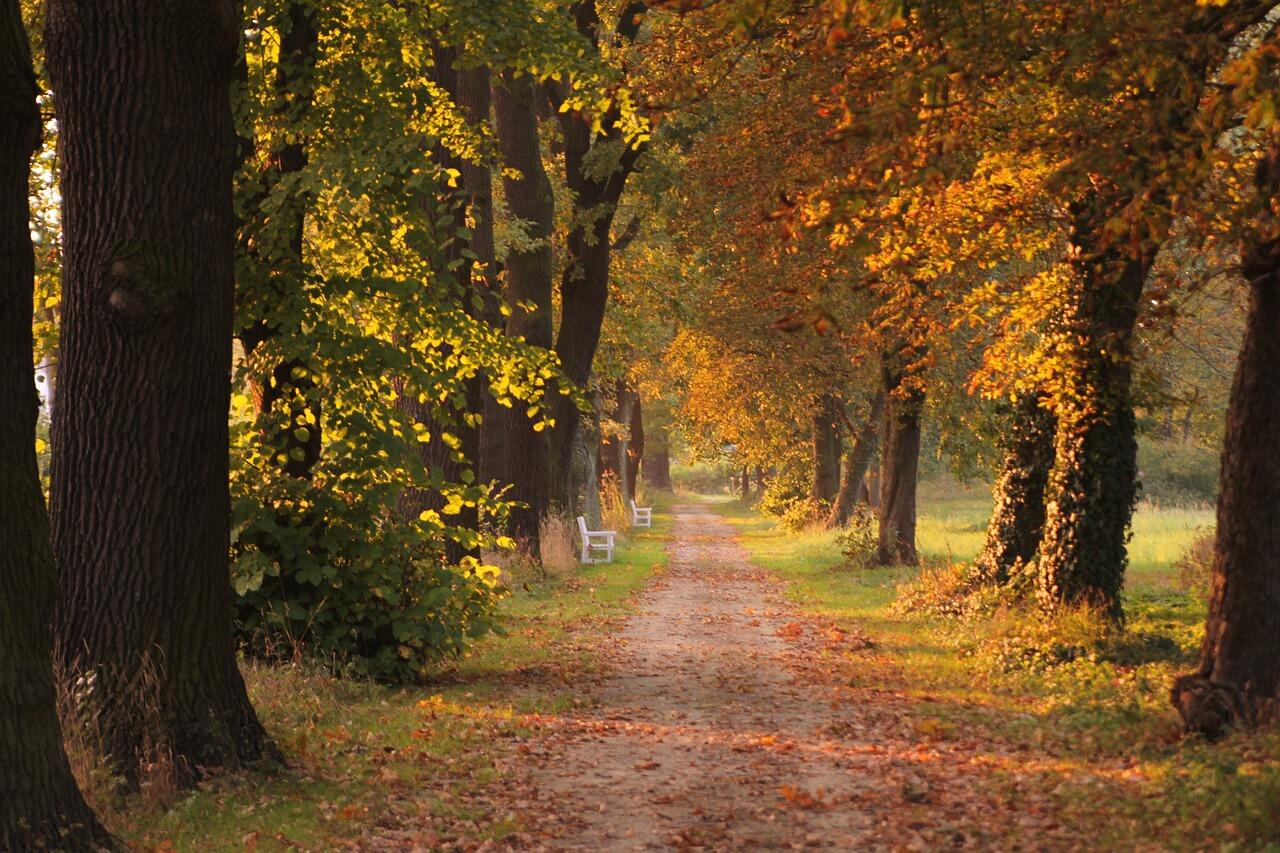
[
  {"x": 859, "y": 538},
  {"x": 786, "y": 497}
]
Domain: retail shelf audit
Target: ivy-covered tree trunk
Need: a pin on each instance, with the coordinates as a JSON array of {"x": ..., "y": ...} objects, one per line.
[
  {"x": 140, "y": 505},
  {"x": 826, "y": 442},
  {"x": 900, "y": 469},
  {"x": 1238, "y": 680},
  {"x": 40, "y": 805},
  {"x": 1093, "y": 485},
  {"x": 524, "y": 458},
  {"x": 856, "y": 461},
  {"x": 1017, "y": 521}
]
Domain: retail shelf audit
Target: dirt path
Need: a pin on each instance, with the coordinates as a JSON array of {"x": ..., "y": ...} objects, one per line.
[{"x": 723, "y": 728}]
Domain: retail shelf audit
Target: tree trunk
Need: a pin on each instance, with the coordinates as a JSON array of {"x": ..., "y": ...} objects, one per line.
[
  {"x": 826, "y": 450},
  {"x": 1093, "y": 485},
  {"x": 657, "y": 464},
  {"x": 273, "y": 244},
  {"x": 140, "y": 508},
  {"x": 635, "y": 446},
  {"x": 524, "y": 463},
  {"x": 477, "y": 180},
  {"x": 873, "y": 481},
  {"x": 456, "y": 465},
  {"x": 40, "y": 805},
  {"x": 745, "y": 484},
  {"x": 853, "y": 483},
  {"x": 900, "y": 467},
  {"x": 1017, "y": 522},
  {"x": 1238, "y": 681},
  {"x": 584, "y": 285}
]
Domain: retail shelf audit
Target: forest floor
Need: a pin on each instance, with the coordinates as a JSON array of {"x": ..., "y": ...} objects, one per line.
[{"x": 727, "y": 685}]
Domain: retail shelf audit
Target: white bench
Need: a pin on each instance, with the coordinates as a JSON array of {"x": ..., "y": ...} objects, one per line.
[
  {"x": 641, "y": 516},
  {"x": 594, "y": 542}
]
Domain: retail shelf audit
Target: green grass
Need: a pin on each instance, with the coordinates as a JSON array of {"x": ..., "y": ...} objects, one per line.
[
  {"x": 361, "y": 754},
  {"x": 1102, "y": 720}
]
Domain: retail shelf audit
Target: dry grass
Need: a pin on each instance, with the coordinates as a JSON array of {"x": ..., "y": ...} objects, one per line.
[
  {"x": 614, "y": 512},
  {"x": 83, "y": 737},
  {"x": 559, "y": 534}
]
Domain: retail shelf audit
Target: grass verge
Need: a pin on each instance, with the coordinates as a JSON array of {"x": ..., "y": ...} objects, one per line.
[{"x": 1091, "y": 727}]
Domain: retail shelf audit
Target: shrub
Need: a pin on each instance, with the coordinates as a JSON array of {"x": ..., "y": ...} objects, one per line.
[
  {"x": 786, "y": 497},
  {"x": 1195, "y": 566},
  {"x": 859, "y": 538},
  {"x": 377, "y": 600},
  {"x": 958, "y": 590}
]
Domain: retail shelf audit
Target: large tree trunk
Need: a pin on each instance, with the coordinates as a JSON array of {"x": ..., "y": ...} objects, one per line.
[
  {"x": 1238, "y": 680},
  {"x": 524, "y": 464},
  {"x": 853, "y": 485},
  {"x": 900, "y": 467},
  {"x": 826, "y": 449},
  {"x": 40, "y": 805},
  {"x": 584, "y": 285},
  {"x": 1017, "y": 522},
  {"x": 1093, "y": 485},
  {"x": 140, "y": 508}
]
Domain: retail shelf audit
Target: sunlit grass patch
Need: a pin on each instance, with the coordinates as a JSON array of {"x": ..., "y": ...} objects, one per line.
[{"x": 1085, "y": 707}]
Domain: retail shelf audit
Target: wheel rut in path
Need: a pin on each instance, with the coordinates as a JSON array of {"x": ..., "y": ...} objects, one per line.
[{"x": 718, "y": 730}]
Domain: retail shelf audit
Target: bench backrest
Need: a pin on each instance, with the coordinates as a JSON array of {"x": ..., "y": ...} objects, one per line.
[{"x": 582, "y": 526}]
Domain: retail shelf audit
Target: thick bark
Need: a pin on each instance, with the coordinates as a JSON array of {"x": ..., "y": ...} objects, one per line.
[
  {"x": 584, "y": 285},
  {"x": 40, "y": 805},
  {"x": 1017, "y": 522},
  {"x": 826, "y": 449},
  {"x": 1238, "y": 680},
  {"x": 745, "y": 484},
  {"x": 140, "y": 505},
  {"x": 1093, "y": 485},
  {"x": 900, "y": 467},
  {"x": 524, "y": 458},
  {"x": 853, "y": 485},
  {"x": 272, "y": 249}
]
